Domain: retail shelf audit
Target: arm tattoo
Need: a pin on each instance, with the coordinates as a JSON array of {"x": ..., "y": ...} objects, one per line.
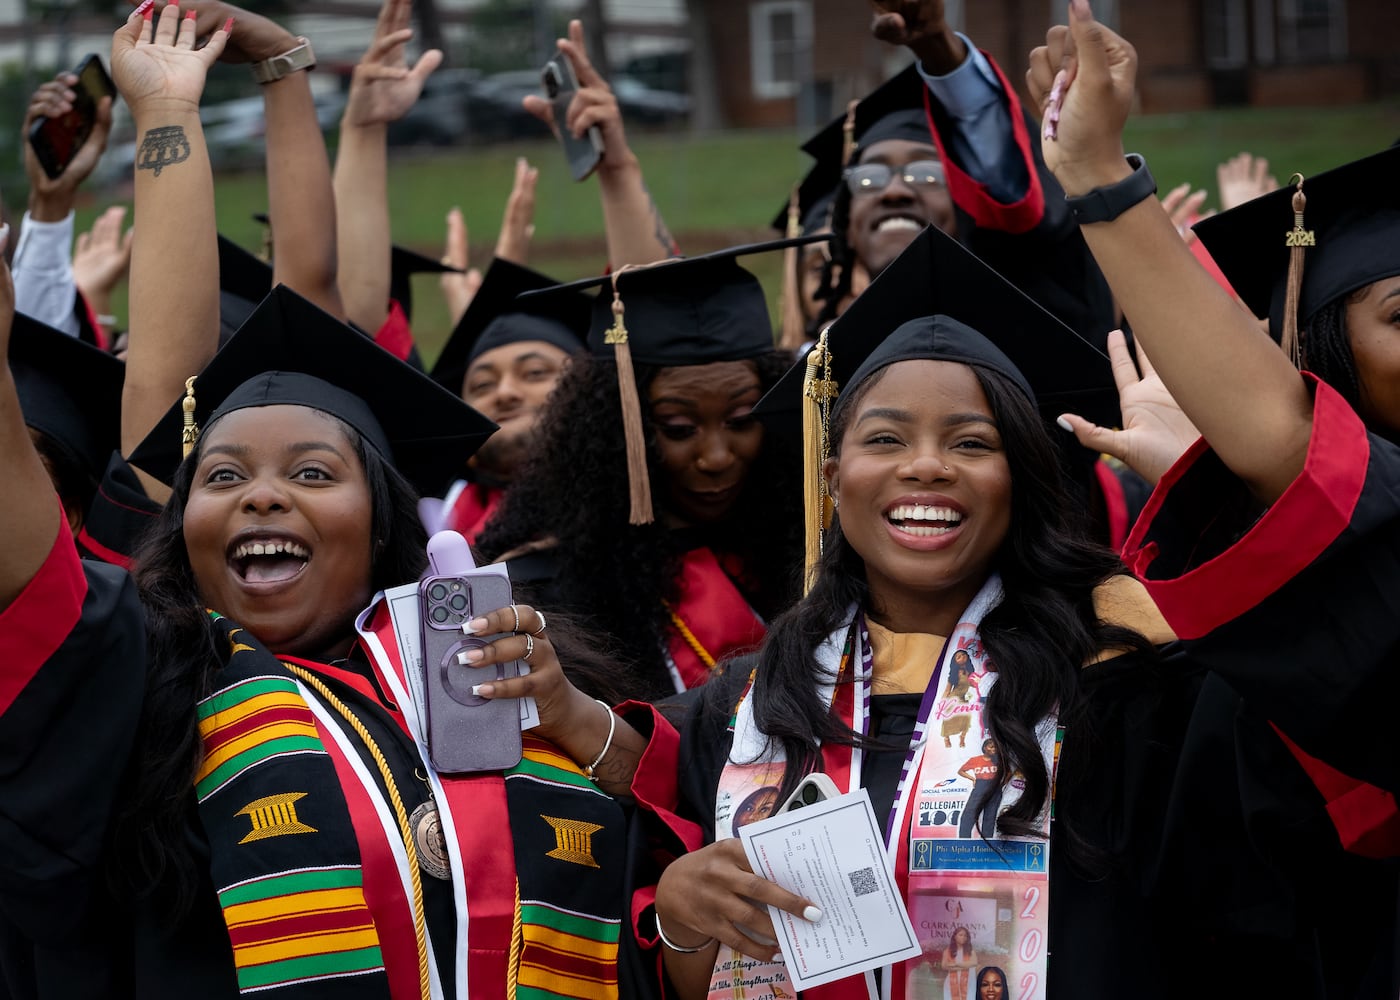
[
  {"x": 163, "y": 147},
  {"x": 661, "y": 233}
]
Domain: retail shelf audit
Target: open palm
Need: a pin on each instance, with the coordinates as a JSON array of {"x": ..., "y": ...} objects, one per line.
[
  {"x": 155, "y": 62},
  {"x": 384, "y": 88}
]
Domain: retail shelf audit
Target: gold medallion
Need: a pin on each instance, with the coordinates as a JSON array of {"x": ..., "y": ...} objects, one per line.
[{"x": 432, "y": 845}]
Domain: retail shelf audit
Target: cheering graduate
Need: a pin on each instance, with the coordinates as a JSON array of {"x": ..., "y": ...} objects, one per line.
[
  {"x": 1271, "y": 541},
  {"x": 213, "y": 772},
  {"x": 670, "y": 525},
  {"x": 952, "y": 533},
  {"x": 505, "y": 358}
]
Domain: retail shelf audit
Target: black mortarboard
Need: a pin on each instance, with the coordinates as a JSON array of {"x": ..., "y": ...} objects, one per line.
[
  {"x": 291, "y": 352},
  {"x": 686, "y": 311},
  {"x": 936, "y": 276},
  {"x": 403, "y": 265},
  {"x": 69, "y": 391},
  {"x": 495, "y": 319},
  {"x": 1354, "y": 213},
  {"x": 894, "y": 110},
  {"x": 244, "y": 281},
  {"x": 937, "y": 301},
  {"x": 815, "y": 195}
]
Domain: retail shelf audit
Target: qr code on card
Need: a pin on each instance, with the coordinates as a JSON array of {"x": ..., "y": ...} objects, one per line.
[{"x": 863, "y": 881}]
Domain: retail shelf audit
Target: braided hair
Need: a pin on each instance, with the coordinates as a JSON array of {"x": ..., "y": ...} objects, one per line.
[{"x": 1327, "y": 349}]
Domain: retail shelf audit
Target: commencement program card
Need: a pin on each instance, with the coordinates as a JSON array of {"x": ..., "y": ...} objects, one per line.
[{"x": 833, "y": 853}]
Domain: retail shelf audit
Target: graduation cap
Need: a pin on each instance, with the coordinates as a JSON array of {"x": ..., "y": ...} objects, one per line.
[
  {"x": 244, "y": 281},
  {"x": 291, "y": 352},
  {"x": 894, "y": 110},
  {"x": 69, "y": 391},
  {"x": 403, "y": 265},
  {"x": 677, "y": 312},
  {"x": 494, "y": 318},
  {"x": 937, "y": 301},
  {"x": 1346, "y": 237}
]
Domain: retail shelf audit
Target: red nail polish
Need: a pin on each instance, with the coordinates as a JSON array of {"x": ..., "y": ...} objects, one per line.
[
  {"x": 191, "y": 14},
  {"x": 145, "y": 6},
  {"x": 228, "y": 26},
  {"x": 150, "y": 13}
]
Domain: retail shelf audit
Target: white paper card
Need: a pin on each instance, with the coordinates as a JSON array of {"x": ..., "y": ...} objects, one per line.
[{"x": 833, "y": 854}]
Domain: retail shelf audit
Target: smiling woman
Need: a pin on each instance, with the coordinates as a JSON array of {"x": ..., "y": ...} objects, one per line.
[{"x": 722, "y": 553}]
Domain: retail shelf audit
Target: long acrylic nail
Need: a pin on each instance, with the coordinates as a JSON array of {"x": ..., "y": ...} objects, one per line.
[
  {"x": 145, "y": 6},
  {"x": 469, "y": 656},
  {"x": 483, "y": 690},
  {"x": 150, "y": 13},
  {"x": 475, "y": 626},
  {"x": 228, "y": 26},
  {"x": 1064, "y": 424},
  {"x": 812, "y": 914}
]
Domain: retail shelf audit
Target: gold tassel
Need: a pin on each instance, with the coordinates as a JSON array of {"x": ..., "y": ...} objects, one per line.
[
  {"x": 817, "y": 392},
  {"x": 1298, "y": 239},
  {"x": 848, "y": 133},
  {"x": 638, "y": 483},
  {"x": 794, "y": 327},
  {"x": 190, "y": 434}
]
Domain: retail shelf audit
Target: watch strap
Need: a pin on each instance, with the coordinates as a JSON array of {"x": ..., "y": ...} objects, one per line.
[
  {"x": 1106, "y": 203},
  {"x": 298, "y": 57}
]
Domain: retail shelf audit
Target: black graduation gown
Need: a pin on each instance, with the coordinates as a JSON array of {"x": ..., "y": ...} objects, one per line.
[{"x": 1211, "y": 869}]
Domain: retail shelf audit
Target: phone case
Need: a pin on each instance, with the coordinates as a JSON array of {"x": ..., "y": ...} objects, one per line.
[
  {"x": 57, "y": 140},
  {"x": 810, "y": 790},
  {"x": 560, "y": 85},
  {"x": 465, "y": 732}
]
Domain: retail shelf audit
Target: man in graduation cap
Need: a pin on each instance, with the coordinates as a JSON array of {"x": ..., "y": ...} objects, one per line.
[
  {"x": 947, "y": 143},
  {"x": 504, "y": 358}
]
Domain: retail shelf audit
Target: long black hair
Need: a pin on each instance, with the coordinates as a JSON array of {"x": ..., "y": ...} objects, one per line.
[
  {"x": 615, "y": 575},
  {"x": 151, "y": 852},
  {"x": 1327, "y": 349},
  {"x": 1039, "y": 636}
]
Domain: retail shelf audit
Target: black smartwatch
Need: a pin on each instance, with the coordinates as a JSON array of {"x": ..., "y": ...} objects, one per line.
[{"x": 1107, "y": 203}]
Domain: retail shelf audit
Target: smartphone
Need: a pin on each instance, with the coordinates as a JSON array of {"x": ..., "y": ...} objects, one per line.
[
  {"x": 465, "y": 733},
  {"x": 57, "y": 140},
  {"x": 560, "y": 86},
  {"x": 809, "y": 791}
]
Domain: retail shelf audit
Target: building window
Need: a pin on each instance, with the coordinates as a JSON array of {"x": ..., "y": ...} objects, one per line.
[
  {"x": 1312, "y": 30},
  {"x": 780, "y": 39},
  {"x": 1226, "y": 34}
]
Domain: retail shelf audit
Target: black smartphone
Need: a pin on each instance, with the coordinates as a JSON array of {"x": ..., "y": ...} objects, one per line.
[
  {"x": 465, "y": 732},
  {"x": 560, "y": 86},
  {"x": 57, "y": 140}
]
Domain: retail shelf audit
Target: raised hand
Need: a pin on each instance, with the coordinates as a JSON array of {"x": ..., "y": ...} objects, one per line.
[
  {"x": 1155, "y": 431},
  {"x": 154, "y": 60},
  {"x": 921, "y": 27},
  {"x": 1183, "y": 206},
  {"x": 518, "y": 222},
  {"x": 383, "y": 87},
  {"x": 253, "y": 38},
  {"x": 101, "y": 257},
  {"x": 459, "y": 287},
  {"x": 53, "y": 100},
  {"x": 1102, "y": 73},
  {"x": 594, "y": 104},
  {"x": 1242, "y": 178}
]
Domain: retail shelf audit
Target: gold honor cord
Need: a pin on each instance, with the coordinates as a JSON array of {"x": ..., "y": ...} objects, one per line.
[
  {"x": 690, "y": 639},
  {"x": 420, "y": 926}
]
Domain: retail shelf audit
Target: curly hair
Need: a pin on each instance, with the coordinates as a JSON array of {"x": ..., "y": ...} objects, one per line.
[
  {"x": 1039, "y": 635},
  {"x": 615, "y": 575}
]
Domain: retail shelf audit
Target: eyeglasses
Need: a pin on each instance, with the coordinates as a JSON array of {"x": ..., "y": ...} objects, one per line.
[{"x": 869, "y": 178}]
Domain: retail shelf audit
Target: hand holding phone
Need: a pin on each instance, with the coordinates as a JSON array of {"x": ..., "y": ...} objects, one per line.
[
  {"x": 57, "y": 140},
  {"x": 465, "y": 732},
  {"x": 560, "y": 86}
]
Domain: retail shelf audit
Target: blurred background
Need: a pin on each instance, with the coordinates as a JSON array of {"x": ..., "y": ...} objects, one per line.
[{"x": 718, "y": 94}]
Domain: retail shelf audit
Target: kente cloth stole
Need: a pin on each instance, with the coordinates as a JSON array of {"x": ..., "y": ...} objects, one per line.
[
  {"x": 709, "y": 621},
  {"x": 957, "y": 875},
  {"x": 283, "y": 853},
  {"x": 545, "y": 919}
]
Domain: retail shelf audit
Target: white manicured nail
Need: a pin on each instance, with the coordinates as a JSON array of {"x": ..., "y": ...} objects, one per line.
[
  {"x": 812, "y": 914},
  {"x": 1065, "y": 424}
]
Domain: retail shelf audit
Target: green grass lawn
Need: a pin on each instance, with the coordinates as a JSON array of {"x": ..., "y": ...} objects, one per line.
[{"x": 719, "y": 189}]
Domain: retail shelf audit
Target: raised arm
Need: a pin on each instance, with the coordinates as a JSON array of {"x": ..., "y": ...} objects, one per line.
[
  {"x": 174, "y": 300},
  {"x": 1229, "y": 377},
  {"x": 382, "y": 89},
  {"x": 636, "y": 233}
]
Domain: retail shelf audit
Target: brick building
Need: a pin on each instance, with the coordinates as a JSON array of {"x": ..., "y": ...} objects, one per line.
[{"x": 782, "y": 61}]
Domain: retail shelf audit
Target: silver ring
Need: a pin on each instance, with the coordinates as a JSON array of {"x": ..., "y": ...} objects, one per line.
[
  {"x": 529, "y": 646},
  {"x": 515, "y": 611},
  {"x": 540, "y": 630}
]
